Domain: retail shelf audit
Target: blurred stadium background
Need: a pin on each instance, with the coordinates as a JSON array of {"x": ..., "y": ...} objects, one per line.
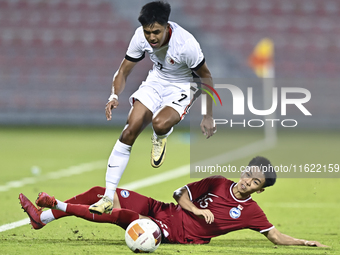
[{"x": 58, "y": 57}]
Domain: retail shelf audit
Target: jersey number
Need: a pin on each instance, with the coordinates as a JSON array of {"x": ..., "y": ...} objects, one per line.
[
  {"x": 205, "y": 202},
  {"x": 183, "y": 96}
]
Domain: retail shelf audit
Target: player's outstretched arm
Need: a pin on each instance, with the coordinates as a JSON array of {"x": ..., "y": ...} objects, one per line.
[
  {"x": 207, "y": 124},
  {"x": 277, "y": 237},
  {"x": 181, "y": 195},
  {"x": 118, "y": 85}
]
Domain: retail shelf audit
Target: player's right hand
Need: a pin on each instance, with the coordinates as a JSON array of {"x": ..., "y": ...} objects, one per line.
[
  {"x": 314, "y": 243},
  {"x": 109, "y": 106}
]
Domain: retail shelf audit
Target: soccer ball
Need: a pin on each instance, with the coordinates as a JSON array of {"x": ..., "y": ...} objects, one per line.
[{"x": 143, "y": 235}]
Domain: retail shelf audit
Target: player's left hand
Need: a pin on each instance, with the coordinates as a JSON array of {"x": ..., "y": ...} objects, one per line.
[
  {"x": 207, "y": 126},
  {"x": 204, "y": 213},
  {"x": 315, "y": 243}
]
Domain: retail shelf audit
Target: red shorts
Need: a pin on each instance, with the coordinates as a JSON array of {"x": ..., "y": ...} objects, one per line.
[{"x": 168, "y": 216}]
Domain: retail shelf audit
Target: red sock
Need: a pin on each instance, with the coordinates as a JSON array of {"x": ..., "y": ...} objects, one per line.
[
  {"x": 87, "y": 198},
  {"x": 120, "y": 217}
]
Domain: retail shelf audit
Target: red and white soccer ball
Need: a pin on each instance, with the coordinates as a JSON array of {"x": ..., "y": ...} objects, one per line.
[{"x": 143, "y": 235}]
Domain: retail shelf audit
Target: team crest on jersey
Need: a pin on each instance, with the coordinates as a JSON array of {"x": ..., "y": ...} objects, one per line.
[
  {"x": 124, "y": 193},
  {"x": 235, "y": 212},
  {"x": 170, "y": 60}
]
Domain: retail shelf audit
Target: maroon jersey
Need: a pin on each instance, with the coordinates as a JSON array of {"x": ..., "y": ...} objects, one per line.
[
  {"x": 213, "y": 193},
  {"x": 230, "y": 214}
]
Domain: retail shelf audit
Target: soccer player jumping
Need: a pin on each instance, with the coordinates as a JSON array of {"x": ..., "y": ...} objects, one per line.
[
  {"x": 162, "y": 99},
  {"x": 207, "y": 208}
]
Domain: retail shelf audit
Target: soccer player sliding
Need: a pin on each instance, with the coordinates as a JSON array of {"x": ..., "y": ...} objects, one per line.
[{"x": 205, "y": 209}]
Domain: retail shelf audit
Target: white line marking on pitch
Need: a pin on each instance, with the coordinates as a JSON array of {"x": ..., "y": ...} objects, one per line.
[
  {"x": 14, "y": 224},
  {"x": 159, "y": 178},
  {"x": 156, "y": 179},
  {"x": 73, "y": 170}
]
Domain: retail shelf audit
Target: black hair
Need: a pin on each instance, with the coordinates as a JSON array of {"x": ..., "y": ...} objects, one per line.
[
  {"x": 266, "y": 168},
  {"x": 152, "y": 12}
]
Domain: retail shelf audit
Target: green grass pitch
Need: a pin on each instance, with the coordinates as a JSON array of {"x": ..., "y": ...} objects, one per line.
[{"x": 303, "y": 208}]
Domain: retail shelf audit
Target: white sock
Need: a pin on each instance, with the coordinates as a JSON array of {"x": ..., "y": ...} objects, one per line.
[
  {"x": 61, "y": 206},
  {"x": 47, "y": 216},
  {"x": 117, "y": 163},
  {"x": 163, "y": 136}
]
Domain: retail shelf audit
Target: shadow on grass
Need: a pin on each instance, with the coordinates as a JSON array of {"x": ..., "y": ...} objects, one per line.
[
  {"x": 263, "y": 246},
  {"x": 217, "y": 246}
]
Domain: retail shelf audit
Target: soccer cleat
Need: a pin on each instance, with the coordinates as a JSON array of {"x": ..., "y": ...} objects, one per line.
[
  {"x": 104, "y": 205},
  {"x": 32, "y": 212},
  {"x": 45, "y": 200},
  {"x": 158, "y": 151}
]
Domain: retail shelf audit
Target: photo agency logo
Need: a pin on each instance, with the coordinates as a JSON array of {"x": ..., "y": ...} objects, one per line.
[
  {"x": 238, "y": 105},
  {"x": 204, "y": 96}
]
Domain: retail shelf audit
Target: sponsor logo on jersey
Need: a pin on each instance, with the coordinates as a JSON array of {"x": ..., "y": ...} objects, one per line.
[
  {"x": 170, "y": 61},
  {"x": 235, "y": 212},
  {"x": 124, "y": 193}
]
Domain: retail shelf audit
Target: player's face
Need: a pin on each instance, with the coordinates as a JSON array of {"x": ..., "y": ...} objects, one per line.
[
  {"x": 252, "y": 180},
  {"x": 156, "y": 34}
]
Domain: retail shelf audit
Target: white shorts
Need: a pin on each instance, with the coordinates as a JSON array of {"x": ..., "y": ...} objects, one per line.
[{"x": 155, "y": 94}]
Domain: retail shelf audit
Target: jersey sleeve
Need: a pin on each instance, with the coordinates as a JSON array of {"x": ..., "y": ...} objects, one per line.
[
  {"x": 258, "y": 220},
  {"x": 135, "y": 51},
  {"x": 196, "y": 189},
  {"x": 192, "y": 54}
]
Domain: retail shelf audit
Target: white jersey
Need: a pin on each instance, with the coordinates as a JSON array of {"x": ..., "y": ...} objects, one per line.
[{"x": 173, "y": 62}]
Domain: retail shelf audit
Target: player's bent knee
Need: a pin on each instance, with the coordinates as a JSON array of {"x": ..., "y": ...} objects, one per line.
[
  {"x": 128, "y": 136},
  {"x": 161, "y": 126}
]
